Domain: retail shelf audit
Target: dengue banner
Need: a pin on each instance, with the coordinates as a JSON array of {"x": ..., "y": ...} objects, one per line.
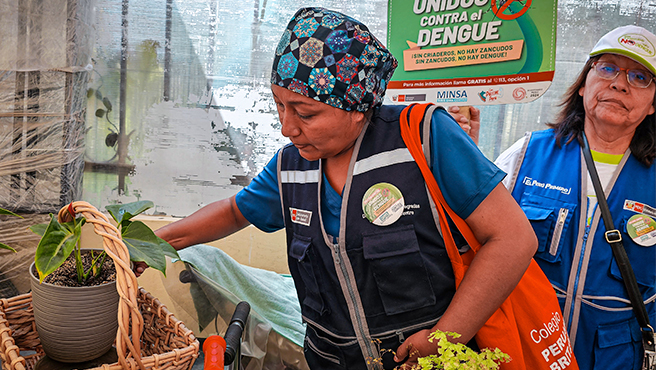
[{"x": 471, "y": 52}]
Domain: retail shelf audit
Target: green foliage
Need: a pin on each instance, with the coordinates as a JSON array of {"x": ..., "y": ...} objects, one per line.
[
  {"x": 141, "y": 241},
  {"x": 112, "y": 137},
  {"x": 124, "y": 212},
  {"x": 59, "y": 240},
  {"x": 457, "y": 356},
  {"x": 5, "y": 246},
  {"x": 100, "y": 113},
  {"x": 5, "y": 212},
  {"x": 39, "y": 229}
]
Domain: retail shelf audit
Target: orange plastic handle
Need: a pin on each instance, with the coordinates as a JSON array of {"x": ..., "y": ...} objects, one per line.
[{"x": 214, "y": 349}]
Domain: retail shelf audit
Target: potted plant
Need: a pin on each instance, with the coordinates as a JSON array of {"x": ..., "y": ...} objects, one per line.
[{"x": 76, "y": 319}]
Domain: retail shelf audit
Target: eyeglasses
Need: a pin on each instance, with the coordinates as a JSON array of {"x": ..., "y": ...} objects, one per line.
[{"x": 636, "y": 77}]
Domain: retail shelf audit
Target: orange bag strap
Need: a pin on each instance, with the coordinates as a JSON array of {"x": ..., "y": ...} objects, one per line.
[{"x": 410, "y": 120}]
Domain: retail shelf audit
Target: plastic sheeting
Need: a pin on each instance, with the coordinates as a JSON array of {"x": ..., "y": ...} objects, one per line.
[
  {"x": 199, "y": 99},
  {"x": 14, "y": 232},
  {"x": 199, "y": 106},
  {"x": 263, "y": 347},
  {"x": 44, "y": 67},
  {"x": 41, "y": 146},
  {"x": 206, "y": 308},
  {"x": 44, "y": 58}
]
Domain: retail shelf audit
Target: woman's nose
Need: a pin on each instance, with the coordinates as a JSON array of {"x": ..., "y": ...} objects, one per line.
[
  {"x": 621, "y": 82},
  {"x": 289, "y": 127}
]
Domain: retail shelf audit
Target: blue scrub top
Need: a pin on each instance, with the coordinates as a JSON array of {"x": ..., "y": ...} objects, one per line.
[{"x": 463, "y": 173}]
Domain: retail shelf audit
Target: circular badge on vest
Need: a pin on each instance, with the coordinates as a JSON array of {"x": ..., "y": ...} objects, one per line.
[
  {"x": 383, "y": 204},
  {"x": 642, "y": 229}
]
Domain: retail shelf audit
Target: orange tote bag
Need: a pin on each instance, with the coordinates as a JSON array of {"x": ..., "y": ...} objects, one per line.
[{"x": 529, "y": 324}]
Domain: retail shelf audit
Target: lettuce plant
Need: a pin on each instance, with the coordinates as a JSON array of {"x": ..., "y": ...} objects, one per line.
[
  {"x": 451, "y": 356},
  {"x": 457, "y": 356},
  {"x": 60, "y": 240}
]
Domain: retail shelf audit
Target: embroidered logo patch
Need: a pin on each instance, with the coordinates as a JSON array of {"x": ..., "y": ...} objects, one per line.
[
  {"x": 300, "y": 216},
  {"x": 527, "y": 181}
]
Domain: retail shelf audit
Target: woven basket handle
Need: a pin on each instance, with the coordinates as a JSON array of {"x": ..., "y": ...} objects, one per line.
[{"x": 126, "y": 281}]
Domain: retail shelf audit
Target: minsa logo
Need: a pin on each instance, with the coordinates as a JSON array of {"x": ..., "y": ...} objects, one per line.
[
  {"x": 451, "y": 96},
  {"x": 637, "y": 43}
]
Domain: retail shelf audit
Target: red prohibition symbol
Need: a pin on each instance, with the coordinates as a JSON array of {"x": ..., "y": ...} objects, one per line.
[{"x": 499, "y": 11}]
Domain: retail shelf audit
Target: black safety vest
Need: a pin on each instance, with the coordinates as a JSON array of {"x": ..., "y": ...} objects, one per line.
[{"x": 374, "y": 285}]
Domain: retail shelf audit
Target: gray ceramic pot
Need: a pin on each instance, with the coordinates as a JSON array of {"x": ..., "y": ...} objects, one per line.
[{"x": 75, "y": 324}]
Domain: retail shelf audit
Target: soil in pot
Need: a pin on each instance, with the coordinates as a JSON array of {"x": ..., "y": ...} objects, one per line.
[{"x": 66, "y": 274}]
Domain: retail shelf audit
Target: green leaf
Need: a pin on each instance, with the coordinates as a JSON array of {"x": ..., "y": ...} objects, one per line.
[
  {"x": 90, "y": 93},
  {"x": 124, "y": 212},
  {"x": 457, "y": 356},
  {"x": 167, "y": 248},
  {"x": 107, "y": 104},
  {"x": 56, "y": 245},
  {"x": 111, "y": 139},
  {"x": 145, "y": 246},
  {"x": 39, "y": 229},
  {"x": 100, "y": 112},
  {"x": 5, "y": 246},
  {"x": 5, "y": 212}
]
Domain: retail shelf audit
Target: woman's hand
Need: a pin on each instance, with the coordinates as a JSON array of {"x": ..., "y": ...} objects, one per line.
[
  {"x": 417, "y": 345},
  {"x": 139, "y": 267},
  {"x": 469, "y": 119},
  {"x": 214, "y": 221}
]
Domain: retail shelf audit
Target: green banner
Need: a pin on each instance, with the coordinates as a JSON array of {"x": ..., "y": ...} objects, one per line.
[{"x": 469, "y": 52}]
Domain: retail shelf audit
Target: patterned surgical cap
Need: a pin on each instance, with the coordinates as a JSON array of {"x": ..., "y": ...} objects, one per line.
[{"x": 332, "y": 58}]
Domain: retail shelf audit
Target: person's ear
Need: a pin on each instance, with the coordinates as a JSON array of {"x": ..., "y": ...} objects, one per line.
[{"x": 358, "y": 118}]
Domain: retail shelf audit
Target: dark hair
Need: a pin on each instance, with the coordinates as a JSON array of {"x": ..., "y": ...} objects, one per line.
[{"x": 570, "y": 120}]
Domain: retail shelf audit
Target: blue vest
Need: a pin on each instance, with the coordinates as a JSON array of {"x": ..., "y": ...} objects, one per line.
[
  {"x": 551, "y": 188},
  {"x": 374, "y": 285}
]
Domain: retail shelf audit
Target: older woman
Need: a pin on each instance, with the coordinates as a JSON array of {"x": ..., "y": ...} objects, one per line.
[
  {"x": 364, "y": 250},
  {"x": 612, "y": 102}
]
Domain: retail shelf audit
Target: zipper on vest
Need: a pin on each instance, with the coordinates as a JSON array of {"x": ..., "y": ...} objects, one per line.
[
  {"x": 336, "y": 255},
  {"x": 399, "y": 333},
  {"x": 370, "y": 355},
  {"x": 558, "y": 230},
  {"x": 584, "y": 246}
]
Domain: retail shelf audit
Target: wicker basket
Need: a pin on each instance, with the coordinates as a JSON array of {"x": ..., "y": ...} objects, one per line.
[{"x": 148, "y": 336}]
